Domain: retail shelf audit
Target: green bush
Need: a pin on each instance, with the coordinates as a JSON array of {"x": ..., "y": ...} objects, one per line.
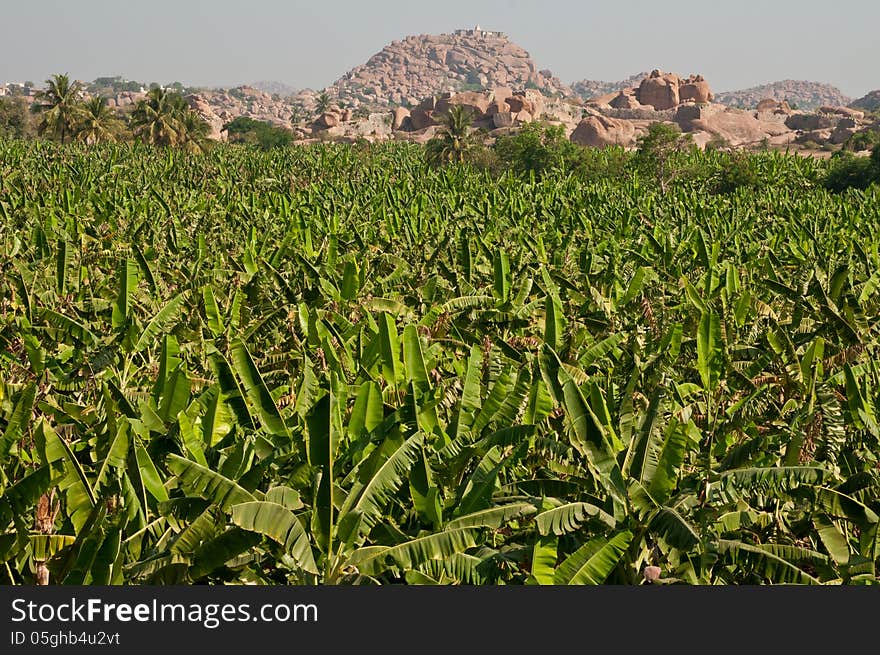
[
  {"x": 847, "y": 171},
  {"x": 662, "y": 153},
  {"x": 738, "y": 170},
  {"x": 14, "y": 119},
  {"x": 539, "y": 149},
  {"x": 259, "y": 133},
  {"x": 864, "y": 140}
]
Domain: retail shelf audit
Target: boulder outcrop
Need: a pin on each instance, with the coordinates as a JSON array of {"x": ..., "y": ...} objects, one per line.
[
  {"x": 203, "y": 108},
  {"x": 773, "y": 106},
  {"x": 600, "y": 131},
  {"x": 667, "y": 90}
]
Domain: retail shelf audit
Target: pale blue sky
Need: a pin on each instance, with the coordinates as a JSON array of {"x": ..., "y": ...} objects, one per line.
[{"x": 735, "y": 44}]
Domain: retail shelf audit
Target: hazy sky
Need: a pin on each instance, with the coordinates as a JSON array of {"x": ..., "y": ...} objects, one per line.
[{"x": 735, "y": 44}]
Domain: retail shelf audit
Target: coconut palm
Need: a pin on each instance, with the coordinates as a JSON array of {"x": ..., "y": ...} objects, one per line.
[
  {"x": 322, "y": 103},
  {"x": 59, "y": 106},
  {"x": 98, "y": 122},
  {"x": 456, "y": 139},
  {"x": 297, "y": 113},
  {"x": 194, "y": 132},
  {"x": 157, "y": 118}
]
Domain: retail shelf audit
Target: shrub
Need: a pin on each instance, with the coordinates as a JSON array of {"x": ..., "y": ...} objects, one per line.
[
  {"x": 718, "y": 142},
  {"x": 14, "y": 119},
  {"x": 864, "y": 140},
  {"x": 659, "y": 153},
  {"x": 538, "y": 148},
  {"x": 259, "y": 133},
  {"x": 847, "y": 171},
  {"x": 738, "y": 170}
]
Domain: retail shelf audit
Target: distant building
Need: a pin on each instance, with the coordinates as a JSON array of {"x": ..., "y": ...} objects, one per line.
[
  {"x": 478, "y": 31},
  {"x": 16, "y": 89}
]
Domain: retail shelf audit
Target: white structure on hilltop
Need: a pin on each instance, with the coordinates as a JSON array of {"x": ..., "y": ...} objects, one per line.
[{"x": 478, "y": 31}]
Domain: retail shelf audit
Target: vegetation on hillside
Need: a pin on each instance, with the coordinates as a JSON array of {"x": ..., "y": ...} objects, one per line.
[{"x": 337, "y": 364}]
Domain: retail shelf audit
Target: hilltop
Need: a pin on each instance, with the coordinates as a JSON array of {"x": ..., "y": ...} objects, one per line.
[
  {"x": 273, "y": 87},
  {"x": 869, "y": 102},
  {"x": 406, "y": 71},
  {"x": 798, "y": 93},
  {"x": 588, "y": 89}
]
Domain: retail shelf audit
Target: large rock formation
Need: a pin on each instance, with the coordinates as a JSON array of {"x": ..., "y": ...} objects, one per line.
[
  {"x": 202, "y": 107},
  {"x": 626, "y": 99},
  {"x": 658, "y": 91},
  {"x": 809, "y": 122},
  {"x": 228, "y": 104},
  {"x": 418, "y": 66},
  {"x": 771, "y": 106},
  {"x": 667, "y": 90},
  {"x": 736, "y": 126},
  {"x": 801, "y": 94},
  {"x": 869, "y": 102},
  {"x": 600, "y": 131}
]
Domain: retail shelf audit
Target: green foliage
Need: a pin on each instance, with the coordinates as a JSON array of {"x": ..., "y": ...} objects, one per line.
[
  {"x": 260, "y": 133},
  {"x": 848, "y": 171},
  {"x": 739, "y": 170},
  {"x": 164, "y": 119},
  {"x": 456, "y": 140},
  {"x": 322, "y": 103},
  {"x": 538, "y": 148},
  {"x": 659, "y": 153},
  {"x": 59, "y": 107},
  {"x": 112, "y": 85},
  {"x": 14, "y": 118},
  {"x": 341, "y": 365},
  {"x": 98, "y": 123}
]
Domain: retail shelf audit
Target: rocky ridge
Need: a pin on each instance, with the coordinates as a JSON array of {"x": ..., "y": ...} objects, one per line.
[
  {"x": 274, "y": 88},
  {"x": 589, "y": 89},
  {"x": 869, "y": 102},
  {"x": 406, "y": 71},
  {"x": 613, "y": 119},
  {"x": 799, "y": 93}
]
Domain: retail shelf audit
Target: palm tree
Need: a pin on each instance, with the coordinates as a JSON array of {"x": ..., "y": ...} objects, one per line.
[
  {"x": 98, "y": 122},
  {"x": 456, "y": 139},
  {"x": 59, "y": 105},
  {"x": 194, "y": 132},
  {"x": 322, "y": 103},
  {"x": 157, "y": 118},
  {"x": 297, "y": 113}
]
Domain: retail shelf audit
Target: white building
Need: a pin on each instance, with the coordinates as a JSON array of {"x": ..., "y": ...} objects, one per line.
[{"x": 478, "y": 31}]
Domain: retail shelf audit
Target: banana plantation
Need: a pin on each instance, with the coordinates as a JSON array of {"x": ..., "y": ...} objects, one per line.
[{"x": 337, "y": 365}]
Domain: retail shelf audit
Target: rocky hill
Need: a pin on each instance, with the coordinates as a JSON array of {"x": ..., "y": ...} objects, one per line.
[
  {"x": 588, "y": 89},
  {"x": 406, "y": 71},
  {"x": 274, "y": 88},
  {"x": 798, "y": 93},
  {"x": 870, "y": 102}
]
